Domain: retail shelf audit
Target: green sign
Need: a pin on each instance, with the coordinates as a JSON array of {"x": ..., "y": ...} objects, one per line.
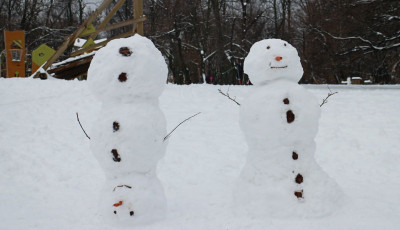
[{"x": 42, "y": 54}]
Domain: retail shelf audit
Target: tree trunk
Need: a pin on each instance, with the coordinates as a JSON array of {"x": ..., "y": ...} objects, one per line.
[
  {"x": 220, "y": 54},
  {"x": 48, "y": 14},
  {"x": 24, "y": 15},
  {"x": 244, "y": 21},
  {"x": 275, "y": 17}
]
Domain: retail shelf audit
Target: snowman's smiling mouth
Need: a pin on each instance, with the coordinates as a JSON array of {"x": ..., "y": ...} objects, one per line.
[{"x": 278, "y": 67}]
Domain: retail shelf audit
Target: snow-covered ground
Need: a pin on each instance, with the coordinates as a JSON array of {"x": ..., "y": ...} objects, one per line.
[{"x": 49, "y": 179}]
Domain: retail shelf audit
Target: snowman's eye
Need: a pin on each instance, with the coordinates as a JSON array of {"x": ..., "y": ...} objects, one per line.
[
  {"x": 284, "y": 44},
  {"x": 268, "y": 47}
]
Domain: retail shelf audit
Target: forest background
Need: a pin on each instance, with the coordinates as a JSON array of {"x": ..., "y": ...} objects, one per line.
[{"x": 336, "y": 39}]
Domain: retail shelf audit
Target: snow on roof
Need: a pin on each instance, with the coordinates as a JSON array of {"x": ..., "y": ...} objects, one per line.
[
  {"x": 79, "y": 42},
  {"x": 71, "y": 59}
]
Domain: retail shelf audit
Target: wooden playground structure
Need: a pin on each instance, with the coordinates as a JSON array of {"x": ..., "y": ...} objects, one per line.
[{"x": 76, "y": 66}]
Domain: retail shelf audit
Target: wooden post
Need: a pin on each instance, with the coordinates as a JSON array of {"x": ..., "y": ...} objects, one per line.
[
  {"x": 138, "y": 13},
  {"x": 107, "y": 18}
]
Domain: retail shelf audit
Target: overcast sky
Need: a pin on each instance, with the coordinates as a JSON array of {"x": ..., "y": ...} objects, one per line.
[{"x": 93, "y": 2}]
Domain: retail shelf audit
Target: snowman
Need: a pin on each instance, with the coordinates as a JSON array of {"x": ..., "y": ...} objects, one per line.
[
  {"x": 280, "y": 121},
  {"x": 128, "y": 76}
]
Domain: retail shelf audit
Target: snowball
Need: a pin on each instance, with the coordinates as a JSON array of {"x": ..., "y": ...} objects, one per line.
[
  {"x": 268, "y": 191},
  {"x": 272, "y": 59},
  {"x": 145, "y": 71},
  {"x": 263, "y": 115},
  {"x": 138, "y": 141},
  {"x": 133, "y": 200}
]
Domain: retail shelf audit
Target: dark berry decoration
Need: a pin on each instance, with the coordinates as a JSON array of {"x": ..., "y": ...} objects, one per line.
[
  {"x": 295, "y": 156},
  {"x": 122, "y": 77},
  {"x": 299, "y": 194},
  {"x": 116, "y": 156},
  {"x": 299, "y": 179},
  {"x": 289, "y": 116},
  {"x": 115, "y": 126},
  {"x": 125, "y": 51},
  {"x": 286, "y": 101}
]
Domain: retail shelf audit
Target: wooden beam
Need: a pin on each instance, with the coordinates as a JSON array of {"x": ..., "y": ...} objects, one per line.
[
  {"x": 81, "y": 51},
  {"x": 124, "y": 23},
  {"x": 121, "y": 24},
  {"x": 138, "y": 13},
  {"x": 107, "y": 18},
  {"x": 72, "y": 37}
]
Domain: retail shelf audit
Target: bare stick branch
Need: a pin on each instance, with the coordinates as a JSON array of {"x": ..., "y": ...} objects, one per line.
[
  {"x": 227, "y": 95},
  {"x": 77, "y": 117},
  {"x": 169, "y": 134},
  {"x": 326, "y": 99}
]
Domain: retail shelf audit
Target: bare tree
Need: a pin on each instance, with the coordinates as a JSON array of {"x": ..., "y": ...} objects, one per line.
[{"x": 352, "y": 38}]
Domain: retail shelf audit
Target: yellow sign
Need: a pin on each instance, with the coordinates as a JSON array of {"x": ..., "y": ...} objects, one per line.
[
  {"x": 41, "y": 54},
  {"x": 88, "y": 43},
  {"x": 88, "y": 30}
]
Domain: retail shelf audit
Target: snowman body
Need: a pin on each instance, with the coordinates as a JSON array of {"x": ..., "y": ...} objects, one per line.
[
  {"x": 280, "y": 121},
  {"x": 128, "y": 77}
]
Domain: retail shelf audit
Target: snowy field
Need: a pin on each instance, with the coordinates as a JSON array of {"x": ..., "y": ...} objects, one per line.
[{"x": 49, "y": 179}]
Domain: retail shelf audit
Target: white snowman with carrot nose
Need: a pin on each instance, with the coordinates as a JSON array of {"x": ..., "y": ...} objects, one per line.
[
  {"x": 280, "y": 121},
  {"x": 128, "y": 76}
]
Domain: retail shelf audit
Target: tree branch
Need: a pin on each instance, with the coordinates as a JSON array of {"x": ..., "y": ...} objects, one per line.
[{"x": 370, "y": 43}]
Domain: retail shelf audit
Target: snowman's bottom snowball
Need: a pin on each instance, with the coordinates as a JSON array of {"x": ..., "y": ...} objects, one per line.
[
  {"x": 133, "y": 200},
  {"x": 275, "y": 197}
]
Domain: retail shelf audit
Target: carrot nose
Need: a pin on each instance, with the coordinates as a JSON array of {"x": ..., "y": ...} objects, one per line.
[
  {"x": 278, "y": 58},
  {"x": 118, "y": 204}
]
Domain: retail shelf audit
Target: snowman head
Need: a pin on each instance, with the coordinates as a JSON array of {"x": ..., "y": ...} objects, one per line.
[
  {"x": 127, "y": 69},
  {"x": 272, "y": 59}
]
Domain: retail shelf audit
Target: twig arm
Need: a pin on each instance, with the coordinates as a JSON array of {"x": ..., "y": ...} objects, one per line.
[
  {"x": 227, "y": 95},
  {"x": 169, "y": 134},
  {"x": 326, "y": 99},
  {"x": 77, "y": 117}
]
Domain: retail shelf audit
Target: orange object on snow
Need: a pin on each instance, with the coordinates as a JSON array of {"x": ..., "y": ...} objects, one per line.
[
  {"x": 278, "y": 58},
  {"x": 118, "y": 204}
]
